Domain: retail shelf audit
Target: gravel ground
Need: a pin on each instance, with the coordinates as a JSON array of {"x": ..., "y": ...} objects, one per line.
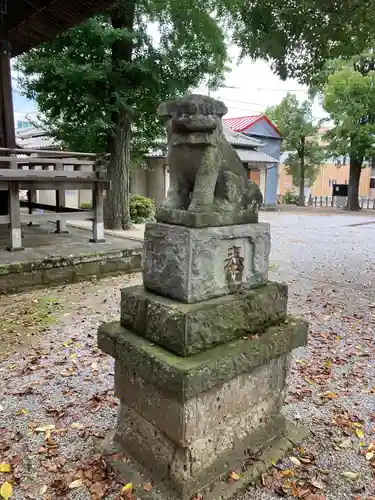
[{"x": 56, "y": 387}]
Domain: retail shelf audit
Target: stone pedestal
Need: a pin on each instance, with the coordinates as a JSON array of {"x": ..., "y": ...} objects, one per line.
[
  {"x": 195, "y": 264},
  {"x": 202, "y": 355}
]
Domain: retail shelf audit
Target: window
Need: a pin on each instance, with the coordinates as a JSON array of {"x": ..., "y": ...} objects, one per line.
[
  {"x": 330, "y": 183},
  {"x": 372, "y": 183},
  {"x": 344, "y": 161}
]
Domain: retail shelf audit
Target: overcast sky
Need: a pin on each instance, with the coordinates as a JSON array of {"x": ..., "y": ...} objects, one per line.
[{"x": 254, "y": 87}]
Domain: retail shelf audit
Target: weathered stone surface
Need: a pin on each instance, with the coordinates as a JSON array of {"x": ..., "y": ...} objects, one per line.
[
  {"x": 183, "y": 378},
  {"x": 205, "y": 219},
  {"x": 193, "y": 265},
  {"x": 20, "y": 276},
  {"x": 208, "y": 182},
  {"x": 217, "y": 488},
  {"x": 190, "y": 468},
  {"x": 248, "y": 396},
  {"x": 190, "y": 328}
]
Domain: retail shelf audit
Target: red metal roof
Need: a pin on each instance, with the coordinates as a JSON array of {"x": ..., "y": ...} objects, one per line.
[{"x": 242, "y": 123}]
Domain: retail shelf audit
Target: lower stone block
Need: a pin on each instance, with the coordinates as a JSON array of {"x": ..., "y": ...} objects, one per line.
[
  {"x": 186, "y": 470},
  {"x": 228, "y": 409},
  {"x": 218, "y": 488},
  {"x": 188, "y": 420},
  {"x": 190, "y": 328}
]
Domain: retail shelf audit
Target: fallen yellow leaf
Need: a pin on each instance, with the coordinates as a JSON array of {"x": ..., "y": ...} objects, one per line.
[
  {"x": 76, "y": 484},
  {"x": 45, "y": 428},
  {"x": 360, "y": 433},
  {"x": 357, "y": 424},
  {"x": 22, "y": 411},
  {"x": 287, "y": 473},
  {"x": 330, "y": 395},
  {"x": 352, "y": 476},
  {"x": 295, "y": 461},
  {"x": 6, "y": 490},
  {"x": 369, "y": 455},
  {"x": 4, "y": 467},
  {"x": 127, "y": 487},
  {"x": 233, "y": 475},
  {"x": 77, "y": 425}
]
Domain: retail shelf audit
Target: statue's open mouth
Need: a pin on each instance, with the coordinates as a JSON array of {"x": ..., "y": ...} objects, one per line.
[{"x": 195, "y": 123}]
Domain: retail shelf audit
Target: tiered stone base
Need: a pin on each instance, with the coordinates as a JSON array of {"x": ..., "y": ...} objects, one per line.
[
  {"x": 190, "y": 420},
  {"x": 202, "y": 356}
]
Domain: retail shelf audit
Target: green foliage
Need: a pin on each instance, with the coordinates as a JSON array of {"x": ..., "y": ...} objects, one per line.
[
  {"x": 142, "y": 209},
  {"x": 290, "y": 198},
  {"x": 349, "y": 97},
  {"x": 79, "y": 89},
  {"x": 299, "y": 36},
  {"x": 86, "y": 205},
  {"x": 300, "y": 139}
]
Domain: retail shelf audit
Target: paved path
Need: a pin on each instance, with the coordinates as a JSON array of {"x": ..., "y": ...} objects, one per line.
[{"x": 54, "y": 374}]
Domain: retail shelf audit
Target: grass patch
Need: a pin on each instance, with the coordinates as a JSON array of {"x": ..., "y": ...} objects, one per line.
[{"x": 22, "y": 320}]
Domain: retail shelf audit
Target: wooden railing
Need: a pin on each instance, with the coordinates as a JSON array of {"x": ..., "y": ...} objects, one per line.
[{"x": 34, "y": 170}]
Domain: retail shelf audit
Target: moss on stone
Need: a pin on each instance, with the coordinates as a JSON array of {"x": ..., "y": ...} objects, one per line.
[{"x": 185, "y": 377}]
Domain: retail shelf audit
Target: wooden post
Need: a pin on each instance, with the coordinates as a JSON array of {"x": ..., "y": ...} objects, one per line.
[
  {"x": 31, "y": 198},
  {"x": 60, "y": 202},
  {"x": 15, "y": 236},
  {"x": 98, "y": 208},
  {"x": 7, "y": 132}
]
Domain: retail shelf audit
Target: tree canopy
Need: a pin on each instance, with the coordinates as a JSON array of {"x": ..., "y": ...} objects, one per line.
[
  {"x": 349, "y": 97},
  {"x": 299, "y": 36},
  {"x": 77, "y": 88},
  {"x": 304, "y": 153},
  {"x": 98, "y": 85}
]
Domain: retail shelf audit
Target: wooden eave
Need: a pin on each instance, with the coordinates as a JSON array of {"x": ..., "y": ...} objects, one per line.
[{"x": 28, "y": 23}]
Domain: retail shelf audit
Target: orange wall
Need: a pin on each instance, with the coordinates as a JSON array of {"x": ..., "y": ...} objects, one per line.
[{"x": 321, "y": 186}]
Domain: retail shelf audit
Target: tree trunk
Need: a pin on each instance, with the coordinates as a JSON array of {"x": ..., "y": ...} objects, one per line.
[
  {"x": 301, "y": 201},
  {"x": 116, "y": 205},
  {"x": 353, "y": 187}
]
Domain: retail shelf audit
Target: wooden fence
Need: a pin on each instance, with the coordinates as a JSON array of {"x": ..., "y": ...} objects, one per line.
[
  {"x": 338, "y": 201},
  {"x": 333, "y": 201}
]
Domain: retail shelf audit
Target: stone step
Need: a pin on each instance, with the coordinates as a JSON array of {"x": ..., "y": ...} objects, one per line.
[
  {"x": 183, "y": 378},
  {"x": 187, "y": 329}
]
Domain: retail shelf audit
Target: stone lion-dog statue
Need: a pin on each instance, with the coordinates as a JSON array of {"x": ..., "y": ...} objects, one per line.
[{"x": 208, "y": 182}]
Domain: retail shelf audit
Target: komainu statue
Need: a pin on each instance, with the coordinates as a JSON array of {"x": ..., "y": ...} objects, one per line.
[{"x": 208, "y": 182}]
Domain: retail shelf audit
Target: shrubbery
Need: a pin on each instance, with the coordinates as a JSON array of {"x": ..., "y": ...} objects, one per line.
[
  {"x": 142, "y": 209},
  {"x": 86, "y": 205},
  {"x": 290, "y": 198}
]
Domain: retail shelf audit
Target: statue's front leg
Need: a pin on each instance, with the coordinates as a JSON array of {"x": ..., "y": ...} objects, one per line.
[
  {"x": 205, "y": 182},
  {"x": 177, "y": 196}
]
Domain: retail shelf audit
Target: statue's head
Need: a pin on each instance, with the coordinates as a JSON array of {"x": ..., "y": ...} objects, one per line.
[{"x": 193, "y": 113}]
